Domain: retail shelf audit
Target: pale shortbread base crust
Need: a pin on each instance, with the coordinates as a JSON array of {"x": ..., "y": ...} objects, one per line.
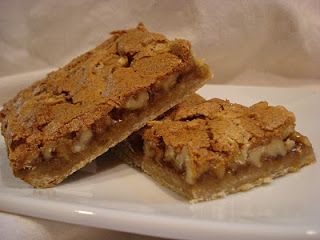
[
  {"x": 209, "y": 187},
  {"x": 48, "y": 174}
]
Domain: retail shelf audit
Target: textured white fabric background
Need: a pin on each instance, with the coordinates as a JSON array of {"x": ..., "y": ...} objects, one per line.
[{"x": 248, "y": 42}]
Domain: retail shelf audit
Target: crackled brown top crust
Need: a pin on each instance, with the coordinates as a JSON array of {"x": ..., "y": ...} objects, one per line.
[
  {"x": 91, "y": 85},
  {"x": 216, "y": 131},
  {"x": 191, "y": 100}
]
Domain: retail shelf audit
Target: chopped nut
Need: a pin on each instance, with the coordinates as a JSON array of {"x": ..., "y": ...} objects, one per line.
[
  {"x": 151, "y": 151},
  {"x": 289, "y": 144},
  {"x": 137, "y": 101},
  {"x": 161, "y": 47},
  {"x": 168, "y": 83},
  {"x": 169, "y": 153},
  {"x": 148, "y": 149},
  {"x": 84, "y": 139},
  {"x": 243, "y": 156},
  {"x": 85, "y": 136},
  {"x": 275, "y": 148},
  {"x": 123, "y": 61},
  {"x": 51, "y": 100},
  {"x": 255, "y": 156},
  {"x": 47, "y": 153},
  {"x": 77, "y": 148},
  {"x": 181, "y": 158},
  {"x": 55, "y": 100},
  {"x": 190, "y": 172}
]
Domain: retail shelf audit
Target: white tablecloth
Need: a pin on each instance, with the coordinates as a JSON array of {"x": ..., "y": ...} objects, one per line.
[{"x": 270, "y": 42}]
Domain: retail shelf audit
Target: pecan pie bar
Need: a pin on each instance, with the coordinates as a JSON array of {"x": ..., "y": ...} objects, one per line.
[
  {"x": 206, "y": 150},
  {"x": 61, "y": 123}
]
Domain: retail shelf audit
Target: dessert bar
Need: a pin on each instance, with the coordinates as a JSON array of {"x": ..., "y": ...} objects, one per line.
[
  {"x": 61, "y": 123},
  {"x": 207, "y": 149}
]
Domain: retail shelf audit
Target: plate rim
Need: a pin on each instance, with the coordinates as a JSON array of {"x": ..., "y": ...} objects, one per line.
[{"x": 152, "y": 225}]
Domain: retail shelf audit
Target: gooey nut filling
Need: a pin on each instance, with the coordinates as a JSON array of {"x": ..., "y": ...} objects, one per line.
[
  {"x": 134, "y": 102},
  {"x": 182, "y": 161}
]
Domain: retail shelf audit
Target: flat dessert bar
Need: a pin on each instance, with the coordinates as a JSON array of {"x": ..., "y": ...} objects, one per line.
[
  {"x": 61, "y": 123},
  {"x": 207, "y": 149}
]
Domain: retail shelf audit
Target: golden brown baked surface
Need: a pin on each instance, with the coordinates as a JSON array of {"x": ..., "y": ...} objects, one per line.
[
  {"x": 135, "y": 142},
  {"x": 96, "y": 90},
  {"x": 206, "y": 149},
  {"x": 218, "y": 134}
]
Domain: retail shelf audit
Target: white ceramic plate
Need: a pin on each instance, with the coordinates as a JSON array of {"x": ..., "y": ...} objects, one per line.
[{"x": 114, "y": 196}]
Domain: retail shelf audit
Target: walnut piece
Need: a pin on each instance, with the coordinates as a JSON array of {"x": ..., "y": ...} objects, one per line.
[
  {"x": 123, "y": 61},
  {"x": 137, "y": 101},
  {"x": 168, "y": 83},
  {"x": 169, "y": 153},
  {"x": 151, "y": 152},
  {"x": 47, "y": 153},
  {"x": 83, "y": 141},
  {"x": 275, "y": 148},
  {"x": 181, "y": 158}
]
